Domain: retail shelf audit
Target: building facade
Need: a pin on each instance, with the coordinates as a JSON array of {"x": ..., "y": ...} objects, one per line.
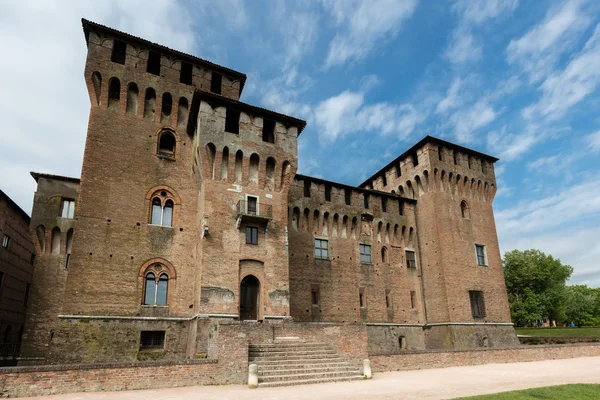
[
  {"x": 189, "y": 212},
  {"x": 17, "y": 257}
]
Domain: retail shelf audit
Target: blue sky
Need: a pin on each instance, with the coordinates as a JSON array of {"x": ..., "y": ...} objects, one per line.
[{"x": 514, "y": 79}]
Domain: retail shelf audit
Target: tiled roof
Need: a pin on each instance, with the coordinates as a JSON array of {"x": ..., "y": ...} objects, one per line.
[
  {"x": 37, "y": 175},
  {"x": 14, "y": 205}
]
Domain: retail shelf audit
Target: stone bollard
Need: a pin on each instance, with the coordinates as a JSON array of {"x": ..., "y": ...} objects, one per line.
[
  {"x": 367, "y": 369},
  {"x": 253, "y": 376}
]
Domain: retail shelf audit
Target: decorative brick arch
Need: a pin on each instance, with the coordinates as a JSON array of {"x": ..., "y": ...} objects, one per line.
[
  {"x": 158, "y": 266},
  {"x": 171, "y": 194}
]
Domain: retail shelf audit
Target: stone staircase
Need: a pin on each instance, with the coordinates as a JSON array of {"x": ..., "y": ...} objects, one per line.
[{"x": 292, "y": 362}]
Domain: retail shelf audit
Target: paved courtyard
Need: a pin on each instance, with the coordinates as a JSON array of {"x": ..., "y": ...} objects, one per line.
[{"x": 444, "y": 383}]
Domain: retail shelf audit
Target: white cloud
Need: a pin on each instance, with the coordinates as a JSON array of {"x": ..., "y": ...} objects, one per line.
[
  {"x": 463, "y": 48},
  {"x": 553, "y": 165},
  {"x": 347, "y": 113},
  {"x": 594, "y": 141},
  {"x": 468, "y": 120},
  {"x": 562, "y": 90},
  {"x": 44, "y": 103},
  {"x": 452, "y": 100},
  {"x": 479, "y": 11},
  {"x": 541, "y": 47},
  {"x": 363, "y": 25},
  {"x": 510, "y": 146},
  {"x": 559, "y": 225}
]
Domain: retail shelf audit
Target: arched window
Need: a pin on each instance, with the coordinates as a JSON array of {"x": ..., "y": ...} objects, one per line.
[
  {"x": 149, "y": 102},
  {"x": 55, "y": 241},
  {"x": 224, "y": 163},
  {"x": 253, "y": 168},
  {"x": 41, "y": 235},
  {"x": 155, "y": 290},
  {"x": 383, "y": 255},
  {"x": 464, "y": 210},
  {"x": 162, "y": 210},
  {"x": 114, "y": 93},
  {"x": 167, "y": 107},
  {"x": 97, "y": 82},
  {"x": 182, "y": 112},
  {"x": 239, "y": 158},
  {"x": 166, "y": 143},
  {"x": 211, "y": 151},
  {"x": 132, "y": 99}
]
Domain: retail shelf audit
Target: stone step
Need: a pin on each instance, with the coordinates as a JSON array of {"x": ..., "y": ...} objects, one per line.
[
  {"x": 306, "y": 370},
  {"x": 302, "y": 364},
  {"x": 310, "y": 381},
  {"x": 297, "y": 360},
  {"x": 295, "y": 347},
  {"x": 254, "y": 353},
  {"x": 293, "y": 356},
  {"x": 292, "y": 377}
]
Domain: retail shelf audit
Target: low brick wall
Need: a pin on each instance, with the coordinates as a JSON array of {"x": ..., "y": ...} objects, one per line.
[
  {"x": 56, "y": 379},
  {"x": 441, "y": 359}
]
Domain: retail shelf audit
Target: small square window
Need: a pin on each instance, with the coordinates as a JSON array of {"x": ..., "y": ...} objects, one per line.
[
  {"x": 365, "y": 254},
  {"x": 480, "y": 252},
  {"x": 119, "y": 52},
  {"x": 152, "y": 340},
  {"x": 251, "y": 235},
  {"x": 5, "y": 241},
  {"x": 68, "y": 208},
  {"x": 477, "y": 304},
  {"x": 411, "y": 260},
  {"x": 321, "y": 249}
]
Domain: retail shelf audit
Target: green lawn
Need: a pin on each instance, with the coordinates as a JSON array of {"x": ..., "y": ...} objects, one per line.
[
  {"x": 563, "y": 392},
  {"x": 559, "y": 332}
]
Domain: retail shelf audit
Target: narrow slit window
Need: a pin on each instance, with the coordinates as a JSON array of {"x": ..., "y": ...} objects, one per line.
[
  {"x": 327, "y": 192},
  {"x": 153, "y": 66},
  {"x": 413, "y": 299},
  {"x": 306, "y": 188},
  {"x": 185, "y": 75},
  {"x": 366, "y": 200},
  {"x": 314, "y": 295},
  {"x": 268, "y": 131},
  {"x": 216, "y": 80},
  {"x": 119, "y": 52},
  {"x": 384, "y": 204},
  {"x": 348, "y": 196}
]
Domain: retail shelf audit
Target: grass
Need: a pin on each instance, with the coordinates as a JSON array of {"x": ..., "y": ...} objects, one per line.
[
  {"x": 559, "y": 332},
  {"x": 563, "y": 392}
]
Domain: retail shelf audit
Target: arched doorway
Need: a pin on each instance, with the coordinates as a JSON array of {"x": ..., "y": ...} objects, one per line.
[{"x": 249, "y": 298}]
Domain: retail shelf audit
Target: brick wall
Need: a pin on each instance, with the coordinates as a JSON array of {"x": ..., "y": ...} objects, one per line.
[
  {"x": 456, "y": 358},
  {"x": 47, "y": 380}
]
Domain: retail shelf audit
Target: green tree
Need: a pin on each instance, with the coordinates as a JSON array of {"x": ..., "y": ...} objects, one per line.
[
  {"x": 581, "y": 304},
  {"x": 536, "y": 286}
]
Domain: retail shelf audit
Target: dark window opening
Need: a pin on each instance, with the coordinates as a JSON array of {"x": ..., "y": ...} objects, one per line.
[
  {"x": 268, "y": 131},
  {"x": 388, "y": 303},
  {"x": 411, "y": 261},
  {"x": 384, "y": 204},
  {"x": 314, "y": 295},
  {"x": 232, "y": 121},
  {"x": 185, "y": 75},
  {"x": 119, "y": 52},
  {"x": 440, "y": 153},
  {"x": 384, "y": 178},
  {"x": 215, "y": 83},
  {"x": 321, "y": 250},
  {"x": 327, "y": 192},
  {"x": 152, "y": 340},
  {"x": 413, "y": 299},
  {"x": 32, "y": 259},
  {"x": 252, "y": 205},
  {"x": 483, "y": 166},
  {"x": 251, "y": 235},
  {"x": 114, "y": 92},
  {"x": 167, "y": 104},
  {"x": 402, "y": 342},
  {"x": 306, "y": 188},
  {"x": 480, "y": 251},
  {"x": 415, "y": 158},
  {"x": 68, "y": 261},
  {"x": 455, "y": 157},
  {"x": 153, "y": 65},
  {"x": 398, "y": 170},
  {"x": 366, "y": 200},
  {"x": 361, "y": 297},
  {"x": 477, "y": 304},
  {"x": 166, "y": 144},
  {"x": 348, "y": 196},
  {"x": 401, "y": 207},
  {"x": 26, "y": 299}
]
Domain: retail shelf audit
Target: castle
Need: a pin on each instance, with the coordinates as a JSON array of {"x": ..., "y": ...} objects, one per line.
[{"x": 189, "y": 214}]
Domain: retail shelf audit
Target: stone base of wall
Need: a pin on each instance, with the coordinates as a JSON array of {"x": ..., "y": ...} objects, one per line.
[
  {"x": 57, "y": 379},
  {"x": 466, "y": 337},
  {"x": 455, "y": 358},
  {"x": 394, "y": 339}
]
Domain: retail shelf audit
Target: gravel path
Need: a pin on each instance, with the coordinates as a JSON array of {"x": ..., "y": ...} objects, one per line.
[{"x": 443, "y": 383}]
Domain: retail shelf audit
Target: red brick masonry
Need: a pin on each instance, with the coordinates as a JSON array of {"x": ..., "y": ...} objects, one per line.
[
  {"x": 56, "y": 379},
  {"x": 442, "y": 359}
]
